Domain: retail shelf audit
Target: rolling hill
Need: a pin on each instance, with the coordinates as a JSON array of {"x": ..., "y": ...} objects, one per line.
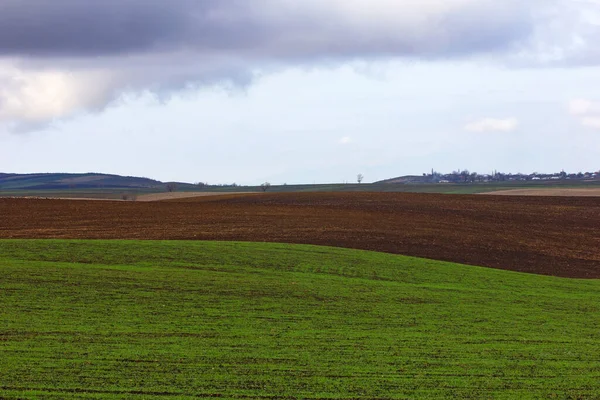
[
  {"x": 67, "y": 181},
  {"x": 187, "y": 320}
]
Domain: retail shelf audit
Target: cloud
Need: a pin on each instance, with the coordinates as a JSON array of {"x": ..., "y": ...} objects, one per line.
[
  {"x": 591, "y": 122},
  {"x": 492, "y": 125},
  {"x": 346, "y": 140},
  {"x": 269, "y": 28},
  {"x": 587, "y": 111},
  {"x": 566, "y": 33},
  {"x": 41, "y": 95},
  {"x": 583, "y": 107},
  {"x": 78, "y": 56}
]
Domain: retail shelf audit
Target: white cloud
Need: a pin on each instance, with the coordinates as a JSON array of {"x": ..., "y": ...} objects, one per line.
[
  {"x": 583, "y": 107},
  {"x": 492, "y": 125},
  {"x": 346, "y": 140},
  {"x": 587, "y": 111},
  {"x": 591, "y": 122},
  {"x": 565, "y": 33},
  {"x": 42, "y": 95}
]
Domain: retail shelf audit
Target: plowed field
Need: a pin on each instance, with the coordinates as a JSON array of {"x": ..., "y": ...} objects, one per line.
[
  {"x": 544, "y": 235},
  {"x": 548, "y": 192}
]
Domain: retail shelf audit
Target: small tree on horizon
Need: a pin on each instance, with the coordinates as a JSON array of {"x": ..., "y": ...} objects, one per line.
[
  {"x": 128, "y": 196},
  {"x": 265, "y": 186},
  {"x": 359, "y": 178},
  {"x": 171, "y": 187}
]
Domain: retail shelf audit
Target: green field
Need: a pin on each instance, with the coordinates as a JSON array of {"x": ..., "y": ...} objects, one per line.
[{"x": 187, "y": 320}]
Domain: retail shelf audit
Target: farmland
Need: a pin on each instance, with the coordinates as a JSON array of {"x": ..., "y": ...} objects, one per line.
[
  {"x": 556, "y": 191},
  {"x": 182, "y": 320},
  {"x": 179, "y": 299},
  {"x": 543, "y": 235}
]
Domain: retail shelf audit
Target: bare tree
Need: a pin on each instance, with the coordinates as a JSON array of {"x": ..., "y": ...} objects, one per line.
[
  {"x": 359, "y": 178},
  {"x": 265, "y": 186},
  {"x": 128, "y": 196},
  {"x": 171, "y": 187}
]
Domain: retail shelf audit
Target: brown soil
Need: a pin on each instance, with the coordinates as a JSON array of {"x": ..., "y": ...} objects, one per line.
[
  {"x": 182, "y": 195},
  {"x": 548, "y": 192},
  {"x": 544, "y": 235}
]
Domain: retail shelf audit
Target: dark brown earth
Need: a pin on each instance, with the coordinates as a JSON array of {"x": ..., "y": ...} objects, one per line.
[{"x": 544, "y": 235}]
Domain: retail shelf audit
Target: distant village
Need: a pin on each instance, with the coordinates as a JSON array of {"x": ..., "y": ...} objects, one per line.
[{"x": 465, "y": 176}]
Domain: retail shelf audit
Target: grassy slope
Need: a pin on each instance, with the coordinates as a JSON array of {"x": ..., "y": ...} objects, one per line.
[
  {"x": 124, "y": 319},
  {"x": 80, "y": 185}
]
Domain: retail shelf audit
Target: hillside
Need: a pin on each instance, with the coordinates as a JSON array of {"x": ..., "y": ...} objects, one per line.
[
  {"x": 407, "y": 179},
  {"x": 544, "y": 235},
  {"x": 188, "y": 320},
  {"x": 66, "y": 181}
]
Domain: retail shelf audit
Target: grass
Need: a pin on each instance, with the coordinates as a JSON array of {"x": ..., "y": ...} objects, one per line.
[{"x": 185, "y": 320}]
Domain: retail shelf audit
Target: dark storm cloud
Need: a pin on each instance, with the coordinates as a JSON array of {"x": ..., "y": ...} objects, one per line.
[
  {"x": 108, "y": 27},
  {"x": 83, "y": 28}
]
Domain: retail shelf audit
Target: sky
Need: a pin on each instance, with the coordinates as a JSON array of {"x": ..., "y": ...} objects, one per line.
[{"x": 298, "y": 91}]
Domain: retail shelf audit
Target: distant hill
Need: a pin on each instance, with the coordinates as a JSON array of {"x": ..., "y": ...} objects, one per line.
[
  {"x": 62, "y": 181},
  {"x": 407, "y": 179}
]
